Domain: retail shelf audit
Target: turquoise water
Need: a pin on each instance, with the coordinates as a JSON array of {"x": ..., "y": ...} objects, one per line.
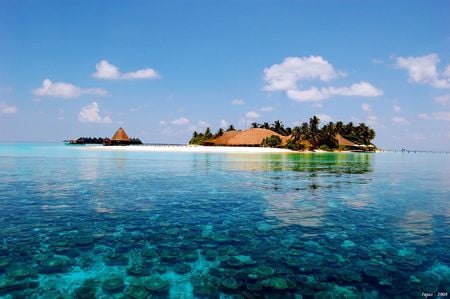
[{"x": 76, "y": 223}]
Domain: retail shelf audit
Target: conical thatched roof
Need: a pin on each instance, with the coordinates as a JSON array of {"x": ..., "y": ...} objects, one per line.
[
  {"x": 344, "y": 142},
  {"x": 120, "y": 135}
]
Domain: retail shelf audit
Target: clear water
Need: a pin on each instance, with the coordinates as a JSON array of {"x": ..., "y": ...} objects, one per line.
[{"x": 183, "y": 225}]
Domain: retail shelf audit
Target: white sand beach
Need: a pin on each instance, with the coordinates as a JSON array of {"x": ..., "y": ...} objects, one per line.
[{"x": 188, "y": 149}]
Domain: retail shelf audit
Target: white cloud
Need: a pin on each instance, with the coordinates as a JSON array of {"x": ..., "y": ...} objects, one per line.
[
  {"x": 324, "y": 117},
  {"x": 65, "y": 90},
  {"x": 162, "y": 123},
  {"x": 396, "y": 108},
  {"x": 238, "y": 102},
  {"x": 444, "y": 100},
  {"x": 267, "y": 109},
  {"x": 372, "y": 120},
  {"x": 399, "y": 120},
  {"x": 447, "y": 71},
  {"x": 180, "y": 121},
  {"x": 443, "y": 115},
  {"x": 366, "y": 107},
  {"x": 252, "y": 115},
  {"x": 284, "y": 76},
  {"x": 288, "y": 75},
  {"x": 106, "y": 70},
  {"x": 91, "y": 114},
  {"x": 423, "y": 70},
  {"x": 423, "y": 116},
  {"x": 224, "y": 123},
  {"x": 6, "y": 108},
  {"x": 362, "y": 89}
]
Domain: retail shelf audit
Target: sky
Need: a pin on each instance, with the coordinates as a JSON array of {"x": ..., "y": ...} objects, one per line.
[{"x": 162, "y": 69}]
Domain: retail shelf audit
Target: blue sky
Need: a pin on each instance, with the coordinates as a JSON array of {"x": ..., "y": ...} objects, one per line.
[{"x": 162, "y": 69}]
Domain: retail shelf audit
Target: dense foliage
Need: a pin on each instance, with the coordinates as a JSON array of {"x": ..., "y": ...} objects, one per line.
[
  {"x": 272, "y": 141},
  {"x": 308, "y": 135}
]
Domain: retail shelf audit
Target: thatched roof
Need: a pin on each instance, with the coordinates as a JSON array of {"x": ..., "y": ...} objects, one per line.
[
  {"x": 222, "y": 140},
  {"x": 120, "y": 135},
  {"x": 250, "y": 137},
  {"x": 344, "y": 142}
]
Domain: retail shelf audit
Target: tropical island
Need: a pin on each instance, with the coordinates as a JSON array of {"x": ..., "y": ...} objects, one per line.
[
  {"x": 307, "y": 136},
  {"x": 119, "y": 138}
]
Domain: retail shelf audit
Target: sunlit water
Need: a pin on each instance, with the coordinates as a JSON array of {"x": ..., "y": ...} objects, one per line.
[{"x": 84, "y": 224}]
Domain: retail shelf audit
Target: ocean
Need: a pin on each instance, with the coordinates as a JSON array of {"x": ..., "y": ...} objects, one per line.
[{"x": 76, "y": 223}]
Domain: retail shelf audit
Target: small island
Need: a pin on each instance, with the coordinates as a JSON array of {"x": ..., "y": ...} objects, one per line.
[
  {"x": 309, "y": 136},
  {"x": 119, "y": 138}
]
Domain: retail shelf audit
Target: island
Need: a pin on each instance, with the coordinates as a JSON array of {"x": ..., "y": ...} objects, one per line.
[
  {"x": 119, "y": 138},
  {"x": 308, "y": 136}
]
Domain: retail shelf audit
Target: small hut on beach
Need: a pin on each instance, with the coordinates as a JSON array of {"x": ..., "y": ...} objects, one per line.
[
  {"x": 121, "y": 138},
  {"x": 250, "y": 137}
]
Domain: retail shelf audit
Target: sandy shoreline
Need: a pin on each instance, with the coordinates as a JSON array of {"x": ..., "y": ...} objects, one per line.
[{"x": 188, "y": 149}]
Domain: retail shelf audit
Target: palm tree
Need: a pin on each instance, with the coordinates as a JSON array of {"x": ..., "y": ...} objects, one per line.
[
  {"x": 265, "y": 125},
  {"x": 278, "y": 127},
  {"x": 219, "y": 133},
  {"x": 255, "y": 125},
  {"x": 231, "y": 128},
  {"x": 208, "y": 134},
  {"x": 314, "y": 130}
]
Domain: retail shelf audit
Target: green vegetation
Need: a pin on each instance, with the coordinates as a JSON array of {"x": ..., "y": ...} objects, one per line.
[
  {"x": 306, "y": 136},
  {"x": 199, "y": 138},
  {"x": 272, "y": 141}
]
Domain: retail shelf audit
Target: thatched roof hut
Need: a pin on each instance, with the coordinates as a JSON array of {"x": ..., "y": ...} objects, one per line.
[
  {"x": 345, "y": 142},
  {"x": 120, "y": 135},
  {"x": 250, "y": 137},
  {"x": 222, "y": 140}
]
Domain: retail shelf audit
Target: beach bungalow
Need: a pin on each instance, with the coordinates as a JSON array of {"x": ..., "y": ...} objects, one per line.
[
  {"x": 351, "y": 146},
  {"x": 251, "y": 137},
  {"x": 121, "y": 138}
]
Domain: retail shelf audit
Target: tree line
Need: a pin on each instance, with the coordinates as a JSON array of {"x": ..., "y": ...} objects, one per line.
[
  {"x": 308, "y": 135},
  {"x": 101, "y": 140}
]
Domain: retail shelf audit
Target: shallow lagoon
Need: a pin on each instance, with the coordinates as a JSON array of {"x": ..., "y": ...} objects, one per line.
[{"x": 79, "y": 223}]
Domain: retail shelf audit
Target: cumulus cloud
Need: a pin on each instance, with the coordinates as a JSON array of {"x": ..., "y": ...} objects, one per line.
[
  {"x": 6, "y": 108},
  {"x": 443, "y": 100},
  {"x": 252, "y": 115},
  {"x": 65, "y": 90},
  {"x": 108, "y": 71},
  {"x": 180, "y": 121},
  {"x": 423, "y": 70},
  {"x": 238, "y": 102},
  {"x": 267, "y": 109},
  {"x": 295, "y": 71},
  {"x": 91, "y": 114},
  {"x": 366, "y": 107},
  {"x": 362, "y": 89},
  {"x": 399, "y": 120}
]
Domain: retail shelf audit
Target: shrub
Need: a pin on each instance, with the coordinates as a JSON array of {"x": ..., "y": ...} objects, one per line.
[{"x": 272, "y": 141}]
